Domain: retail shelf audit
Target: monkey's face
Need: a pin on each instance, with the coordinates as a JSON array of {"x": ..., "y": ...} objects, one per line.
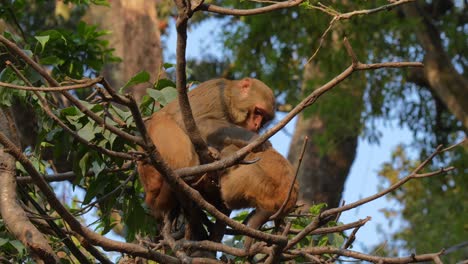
[
  {"x": 256, "y": 119},
  {"x": 253, "y": 104}
]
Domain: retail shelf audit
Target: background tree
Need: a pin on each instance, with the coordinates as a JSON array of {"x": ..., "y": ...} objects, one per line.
[
  {"x": 87, "y": 130},
  {"x": 423, "y": 100}
]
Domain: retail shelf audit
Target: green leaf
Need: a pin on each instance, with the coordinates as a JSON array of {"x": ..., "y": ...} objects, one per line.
[
  {"x": 133, "y": 217},
  {"x": 323, "y": 241},
  {"x": 162, "y": 83},
  {"x": 140, "y": 77},
  {"x": 170, "y": 94},
  {"x": 337, "y": 240},
  {"x": 164, "y": 96},
  {"x": 155, "y": 94},
  {"x": 97, "y": 167},
  {"x": 87, "y": 132},
  {"x": 101, "y": 2},
  {"x": 83, "y": 164},
  {"x": 18, "y": 246},
  {"x": 43, "y": 40},
  {"x": 46, "y": 144},
  {"x": 3, "y": 241},
  {"x": 52, "y": 60},
  {"x": 168, "y": 65},
  {"x": 95, "y": 188},
  {"x": 315, "y": 210}
]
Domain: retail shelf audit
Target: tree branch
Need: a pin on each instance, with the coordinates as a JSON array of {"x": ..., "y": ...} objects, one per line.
[
  {"x": 366, "y": 257},
  {"x": 330, "y": 212},
  {"x": 193, "y": 132},
  {"x": 14, "y": 216},
  {"x": 308, "y": 101},
  {"x": 75, "y": 225},
  {"x": 248, "y": 12},
  {"x": 86, "y": 84},
  {"x": 48, "y": 111},
  {"x": 52, "y": 82}
]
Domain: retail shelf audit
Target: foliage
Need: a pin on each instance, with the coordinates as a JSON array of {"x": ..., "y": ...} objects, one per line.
[
  {"x": 430, "y": 203},
  {"x": 12, "y": 249},
  {"x": 387, "y": 94},
  {"x": 74, "y": 52}
]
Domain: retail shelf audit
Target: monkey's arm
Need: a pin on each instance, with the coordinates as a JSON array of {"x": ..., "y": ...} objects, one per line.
[{"x": 219, "y": 134}]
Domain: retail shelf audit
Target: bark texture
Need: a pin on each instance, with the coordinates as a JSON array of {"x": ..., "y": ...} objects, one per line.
[
  {"x": 12, "y": 213},
  {"x": 135, "y": 37},
  {"x": 439, "y": 74},
  {"x": 321, "y": 177},
  {"x": 323, "y": 172}
]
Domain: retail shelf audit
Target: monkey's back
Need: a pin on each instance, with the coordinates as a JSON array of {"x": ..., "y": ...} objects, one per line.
[
  {"x": 264, "y": 184},
  {"x": 176, "y": 149}
]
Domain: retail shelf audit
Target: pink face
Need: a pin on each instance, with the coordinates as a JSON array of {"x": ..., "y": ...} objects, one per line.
[{"x": 256, "y": 119}]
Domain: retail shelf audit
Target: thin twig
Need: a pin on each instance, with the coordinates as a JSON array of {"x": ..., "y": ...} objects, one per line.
[
  {"x": 75, "y": 225},
  {"x": 366, "y": 257},
  {"x": 193, "y": 132},
  {"x": 248, "y": 12},
  {"x": 308, "y": 101},
  {"x": 70, "y": 175},
  {"x": 334, "y": 211},
  {"x": 87, "y": 84},
  {"x": 52, "y": 82},
  {"x": 73, "y": 133},
  {"x": 293, "y": 182}
]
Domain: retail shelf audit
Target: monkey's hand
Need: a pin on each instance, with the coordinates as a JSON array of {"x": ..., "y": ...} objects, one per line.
[
  {"x": 214, "y": 153},
  {"x": 240, "y": 143}
]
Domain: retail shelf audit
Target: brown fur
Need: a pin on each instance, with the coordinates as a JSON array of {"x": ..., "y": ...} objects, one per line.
[
  {"x": 222, "y": 110},
  {"x": 176, "y": 149},
  {"x": 263, "y": 185}
]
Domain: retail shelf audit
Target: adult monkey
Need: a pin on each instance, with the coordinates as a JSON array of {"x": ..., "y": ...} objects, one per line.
[{"x": 227, "y": 113}]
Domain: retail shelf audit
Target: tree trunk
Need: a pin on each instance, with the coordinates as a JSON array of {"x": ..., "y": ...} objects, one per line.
[
  {"x": 323, "y": 172},
  {"x": 136, "y": 38},
  {"x": 439, "y": 74}
]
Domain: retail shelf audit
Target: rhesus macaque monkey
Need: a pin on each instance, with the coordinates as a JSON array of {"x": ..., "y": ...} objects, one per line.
[
  {"x": 223, "y": 110},
  {"x": 177, "y": 150},
  {"x": 263, "y": 185},
  {"x": 226, "y": 112}
]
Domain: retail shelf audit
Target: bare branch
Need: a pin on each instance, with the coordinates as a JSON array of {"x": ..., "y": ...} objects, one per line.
[
  {"x": 395, "y": 186},
  {"x": 59, "y": 232},
  {"x": 301, "y": 156},
  {"x": 308, "y": 101},
  {"x": 213, "y": 246},
  {"x": 86, "y": 84},
  {"x": 69, "y": 175},
  {"x": 248, "y": 12},
  {"x": 75, "y": 225},
  {"x": 342, "y": 16},
  {"x": 330, "y": 212},
  {"x": 335, "y": 229},
  {"x": 52, "y": 82},
  {"x": 12, "y": 214},
  {"x": 48, "y": 111},
  {"x": 362, "y": 256},
  {"x": 181, "y": 83},
  {"x": 337, "y": 16}
]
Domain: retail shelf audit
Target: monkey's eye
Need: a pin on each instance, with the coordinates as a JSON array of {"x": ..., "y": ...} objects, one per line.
[{"x": 260, "y": 112}]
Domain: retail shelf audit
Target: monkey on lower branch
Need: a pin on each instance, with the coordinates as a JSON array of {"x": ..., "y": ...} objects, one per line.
[{"x": 225, "y": 111}]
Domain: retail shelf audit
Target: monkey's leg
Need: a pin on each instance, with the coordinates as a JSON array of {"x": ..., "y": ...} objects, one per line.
[{"x": 259, "y": 218}]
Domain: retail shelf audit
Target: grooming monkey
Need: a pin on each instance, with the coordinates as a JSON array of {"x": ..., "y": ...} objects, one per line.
[{"x": 226, "y": 112}]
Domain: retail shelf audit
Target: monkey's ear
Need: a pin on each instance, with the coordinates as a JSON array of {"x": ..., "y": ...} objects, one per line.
[{"x": 245, "y": 85}]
